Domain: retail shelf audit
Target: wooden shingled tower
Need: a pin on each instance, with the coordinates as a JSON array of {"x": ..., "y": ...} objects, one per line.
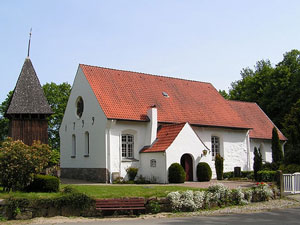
[{"x": 28, "y": 109}]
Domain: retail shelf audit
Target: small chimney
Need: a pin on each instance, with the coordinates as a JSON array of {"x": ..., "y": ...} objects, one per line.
[{"x": 152, "y": 126}]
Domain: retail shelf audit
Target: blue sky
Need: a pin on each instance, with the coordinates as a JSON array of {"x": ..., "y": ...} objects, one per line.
[{"x": 200, "y": 40}]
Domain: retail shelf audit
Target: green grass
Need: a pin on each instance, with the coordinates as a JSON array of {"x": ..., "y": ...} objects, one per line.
[
  {"x": 119, "y": 191},
  {"x": 105, "y": 191}
]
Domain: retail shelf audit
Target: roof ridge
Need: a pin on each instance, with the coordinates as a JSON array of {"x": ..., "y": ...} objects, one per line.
[{"x": 148, "y": 74}]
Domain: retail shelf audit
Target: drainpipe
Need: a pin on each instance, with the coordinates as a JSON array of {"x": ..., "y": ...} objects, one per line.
[
  {"x": 166, "y": 169},
  {"x": 110, "y": 125}
]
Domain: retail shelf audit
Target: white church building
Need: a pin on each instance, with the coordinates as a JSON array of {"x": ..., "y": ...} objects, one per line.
[{"x": 118, "y": 119}]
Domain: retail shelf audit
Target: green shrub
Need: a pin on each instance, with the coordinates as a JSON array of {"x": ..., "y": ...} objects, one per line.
[
  {"x": 248, "y": 174},
  {"x": 132, "y": 172},
  {"x": 219, "y": 166},
  {"x": 292, "y": 168},
  {"x": 266, "y": 176},
  {"x": 176, "y": 173},
  {"x": 69, "y": 189},
  {"x": 43, "y": 183},
  {"x": 257, "y": 164},
  {"x": 153, "y": 207},
  {"x": 19, "y": 163},
  {"x": 203, "y": 172},
  {"x": 228, "y": 175},
  {"x": 270, "y": 166},
  {"x": 277, "y": 154}
]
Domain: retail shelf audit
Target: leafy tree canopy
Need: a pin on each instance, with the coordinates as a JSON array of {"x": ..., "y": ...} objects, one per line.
[{"x": 57, "y": 96}]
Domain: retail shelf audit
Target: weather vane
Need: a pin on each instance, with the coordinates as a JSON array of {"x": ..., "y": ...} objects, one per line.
[{"x": 29, "y": 42}]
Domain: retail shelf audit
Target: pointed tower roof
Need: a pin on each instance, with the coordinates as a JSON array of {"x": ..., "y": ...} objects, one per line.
[{"x": 28, "y": 96}]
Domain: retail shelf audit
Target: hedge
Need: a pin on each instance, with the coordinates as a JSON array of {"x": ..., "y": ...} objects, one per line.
[
  {"x": 266, "y": 176},
  {"x": 43, "y": 183}
]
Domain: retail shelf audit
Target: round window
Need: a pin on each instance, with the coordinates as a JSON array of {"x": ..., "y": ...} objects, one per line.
[{"x": 79, "y": 106}]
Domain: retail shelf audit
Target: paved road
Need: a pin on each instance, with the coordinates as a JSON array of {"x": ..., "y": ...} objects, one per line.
[{"x": 282, "y": 217}]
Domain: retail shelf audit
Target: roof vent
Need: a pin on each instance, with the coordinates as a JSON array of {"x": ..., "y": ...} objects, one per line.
[{"x": 165, "y": 94}]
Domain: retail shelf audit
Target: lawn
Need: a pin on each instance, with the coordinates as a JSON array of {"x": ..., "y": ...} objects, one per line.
[
  {"x": 106, "y": 191},
  {"x": 119, "y": 191}
]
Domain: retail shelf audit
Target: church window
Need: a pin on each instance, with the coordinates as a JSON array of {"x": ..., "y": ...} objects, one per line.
[
  {"x": 215, "y": 146},
  {"x": 152, "y": 163},
  {"x": 73, "y": 145},
  {"x": 87, "y": 143},
  {"x": 127, "y": 145},
  {"x": 79, "y": 107}
]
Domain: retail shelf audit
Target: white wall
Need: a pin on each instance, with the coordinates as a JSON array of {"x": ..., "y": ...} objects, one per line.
[
  {"x": 139, "y": 130},
  {"x": 233, "y": 147},
  {"x": 71, "y": 124},
  {"x": 158, "y": 173}
]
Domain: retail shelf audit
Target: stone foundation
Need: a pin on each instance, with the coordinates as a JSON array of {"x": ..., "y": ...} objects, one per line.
[{"x": 100, "y": 175}]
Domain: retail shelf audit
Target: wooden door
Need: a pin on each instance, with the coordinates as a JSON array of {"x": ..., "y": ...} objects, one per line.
[{"x": 187, "y": 164}]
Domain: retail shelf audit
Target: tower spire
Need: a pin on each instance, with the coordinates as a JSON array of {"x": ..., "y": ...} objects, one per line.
[{"x": 28, "y": 51}]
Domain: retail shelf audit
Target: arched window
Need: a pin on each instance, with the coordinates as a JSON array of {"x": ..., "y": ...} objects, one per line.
[
  {"x": 127, "y": 145},
  {"x": 86, "y": 144},
  {"x": 215, "y": 146},
  {"x": 73, "y": 145}
]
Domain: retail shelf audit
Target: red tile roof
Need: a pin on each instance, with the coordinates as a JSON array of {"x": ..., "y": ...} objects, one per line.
[
  {"x": 127, "y": 95},
  {"x": 165, "y": 137},
  {"x": 258, "y": 120}
]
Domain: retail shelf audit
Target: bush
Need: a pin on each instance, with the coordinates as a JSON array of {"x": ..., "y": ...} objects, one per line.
[
  {"x": 219, "y": 166},
  {"x": 266, "y": 176},
  {"x": 262, "y": 192},
  {"x": 292, "y": 168},
  {"x": 277, "y": 154},
  {"x": 187, "y": 200},
  {"x": 203, "y": 172},
  {"x": 270, "y": 166},
  {"x": 220, "y": 194},
  {"x": 248, "y": 174},
  {"x": 228, "y": 175},
  {"x": 132, "y": 172},
  {"x": 69, "y": 190},
  {"x": 176, "y": 173},
  {"x": 257, "y": 164},
  {"x": 19, "y": 163},
  {"x": 153, "y": 207},
  {"x": 43, "y": 183}
]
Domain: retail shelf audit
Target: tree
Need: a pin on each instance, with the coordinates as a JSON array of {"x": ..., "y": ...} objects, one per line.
[
  {"x": 257, "y": 165},
  {"x": 277, "y": 154},
  {"x": 274, "y": 89},
  {"x": 224, "y": 94},
  {"x": 292, "y": 131},
  {"x": 4, "y": 122},
  {"x": 219, "y": 166},
  {"x": 19, "y": 163},
  {"x": 57, "y": 96}
]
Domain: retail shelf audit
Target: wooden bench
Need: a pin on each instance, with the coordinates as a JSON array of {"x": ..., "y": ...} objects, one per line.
[{"x": 120, "y": 204}]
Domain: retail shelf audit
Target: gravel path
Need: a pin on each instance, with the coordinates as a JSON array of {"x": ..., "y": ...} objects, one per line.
[{"x": 292, "y": 202}]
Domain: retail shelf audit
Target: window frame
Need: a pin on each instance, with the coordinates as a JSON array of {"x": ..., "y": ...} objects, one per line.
[
  {"x": 127, "y": 146},
  {"x": 215, "y": 146}
]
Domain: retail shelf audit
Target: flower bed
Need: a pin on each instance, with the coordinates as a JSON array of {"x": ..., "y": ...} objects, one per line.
[{"x": 219, "y": 196}]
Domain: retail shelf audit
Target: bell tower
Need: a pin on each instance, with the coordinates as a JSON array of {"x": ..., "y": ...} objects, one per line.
[{"x": 28, "y": 109}]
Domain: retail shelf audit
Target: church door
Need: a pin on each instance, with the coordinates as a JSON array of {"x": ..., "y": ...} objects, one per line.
[{"x": 186, "y": 162}]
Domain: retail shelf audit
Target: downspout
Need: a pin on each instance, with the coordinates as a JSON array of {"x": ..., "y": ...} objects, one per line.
[
  {"x": 248, "y": 149},
  {"x": 166, "y": 169}
]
